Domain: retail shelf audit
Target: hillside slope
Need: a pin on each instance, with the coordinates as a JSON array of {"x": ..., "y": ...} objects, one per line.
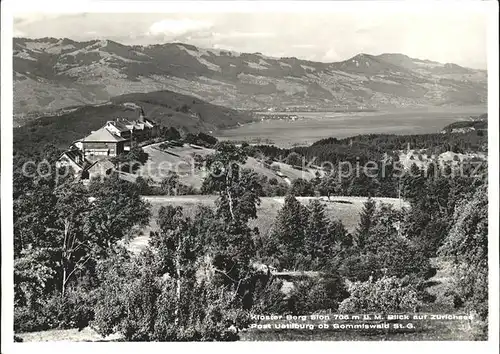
[
  {"x": 166, "y": 108},
  {"x": 51, "y": 73},
  {"x": 181, "y": 161}
]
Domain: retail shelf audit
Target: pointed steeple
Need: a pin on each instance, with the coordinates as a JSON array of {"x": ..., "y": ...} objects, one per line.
[{"x": 141, "y": 116}]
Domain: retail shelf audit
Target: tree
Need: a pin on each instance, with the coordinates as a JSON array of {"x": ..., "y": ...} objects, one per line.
[
  {"x": 168, "y": 292},
  {"x": 363, "y": 185},
  {"x": 294, "y": 159},
  {"x": 467, "y": 246},
  {"x": 130, "y": 161},
  {"x": 178, "y": 247},
  {"x": 339, "y": 234},
  {"x": 116, "y": 206},
  {"x": 170, "y": 133},
  {"x": 287, "y": 236},
  {"x": 209, "y": 140},
  {"x": 301, "y": 187},
  {"x": 318, "y": 242},
  {"x": 184, "y": 108},
  {"x": 426, "y": 232},
  {"x": 365, "y": 223},
  {"x": 170, "y": 184},
  {"x": 384, "y": 249},
  {"x": 137, "y": 154},
  {"x": 330, "y": 185},
  {"x": 127, "y": 295},
  {"x": 413, "y": 185},
  {"x": 34, "y": 270},
  {"x": 81, "y": 224},
  {"x": 72, "y": 208},
  {"x": 238, "y": 191},
  {"x": 143, "y": 185},
  {"x": 33, "y": 213},
  {"x": 395, "y": 254},
  {"x": 59, "y": 240}
]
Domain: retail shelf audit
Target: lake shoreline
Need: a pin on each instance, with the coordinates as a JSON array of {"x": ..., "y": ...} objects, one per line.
[{"x": 314, "y": 126}]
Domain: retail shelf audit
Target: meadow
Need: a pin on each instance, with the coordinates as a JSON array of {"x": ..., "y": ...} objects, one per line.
[
  {"x": 313, "y": 126},
  {"x": 181, "y": 161},
  {"x": 346, "y": 209}
]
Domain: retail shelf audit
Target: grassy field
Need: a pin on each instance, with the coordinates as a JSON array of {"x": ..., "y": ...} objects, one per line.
[
  {"x": 345, "y": 209},
  {"x": 181, "y": 161},
  {"x": 313, "y": 126},
  {"x": 67, "y": 335}
]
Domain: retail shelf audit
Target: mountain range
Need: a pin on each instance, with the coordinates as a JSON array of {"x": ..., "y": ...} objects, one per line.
[{"x": 51, "y": 74}]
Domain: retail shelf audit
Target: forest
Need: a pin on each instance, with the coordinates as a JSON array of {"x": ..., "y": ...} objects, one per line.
[{"x": 202, "y": 278}]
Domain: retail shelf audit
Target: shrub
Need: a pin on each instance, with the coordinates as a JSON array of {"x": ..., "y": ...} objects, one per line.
[
  {"x": 75, "y": 310},
  {"x": 294, "y": 159},
  {"x": 315, "y": 294},
  {"x": 267, "y": 297},
  {"x": 386, "y": 295},
  {"x": 136, "y": 301},
  {"x": 184, "y": 108},
  {"x": 30, "y": 319},
  {"x": 301, "y": 187},
  {"x": 467, "y": 246}
]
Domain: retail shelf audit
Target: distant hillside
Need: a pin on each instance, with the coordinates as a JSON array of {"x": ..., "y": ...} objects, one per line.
[
  {"x": 167, "y": 108},
  {"x": 51, "y": 73},
  {"x": 466, "y": 126}
]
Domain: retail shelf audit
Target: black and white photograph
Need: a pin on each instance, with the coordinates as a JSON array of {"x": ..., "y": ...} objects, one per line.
[{"x": 250, "y": 172}]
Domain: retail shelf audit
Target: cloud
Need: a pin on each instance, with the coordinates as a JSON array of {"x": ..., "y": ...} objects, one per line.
[
  {"x": 236, "y": 34},
  {"x": 18, "y": 33},
  {"x": 178, "y": 27},
  {"x": 331, "y": 55},
  {"x": 305, "y": 46},
  {"x": 221, "y": 46}
]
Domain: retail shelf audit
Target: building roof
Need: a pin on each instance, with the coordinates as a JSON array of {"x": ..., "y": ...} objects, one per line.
[
  {"x": 101, "y": 165},
  {"x": 103, "y": 135},
  {"x": 76, "y": 157},
  {"x": 119, "y": 125},
  {"x": 149, "y": 123}
]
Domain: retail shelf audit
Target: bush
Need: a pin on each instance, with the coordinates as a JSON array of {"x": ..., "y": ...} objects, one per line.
[
  {"x": 315, "y": 294},
  {"x": 267, "y": 297},
  {"x": 294, "y": 159},
  {"x": 302, "y": 188},
  {"x": 142, "y": 306},
  {"x": 201, "y": 139},
  {"x": 467, "y": 246},
  {"x": 29, "y": 319},
  {"x": 75, "y": 310},
  {"x": 143, "y": 185},
  {"x": 184, "y": 108},
  {"x": 130, "y": 161},
  {"x": 386, "y": 295},
  {"x": 170, "y": 133}
]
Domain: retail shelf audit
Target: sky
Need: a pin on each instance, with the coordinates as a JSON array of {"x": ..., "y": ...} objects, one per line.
[{"x": 452, "y": 36}]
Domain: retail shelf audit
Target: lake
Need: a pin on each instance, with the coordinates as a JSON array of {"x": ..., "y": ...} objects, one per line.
[{"x": 313, "y": 126}]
